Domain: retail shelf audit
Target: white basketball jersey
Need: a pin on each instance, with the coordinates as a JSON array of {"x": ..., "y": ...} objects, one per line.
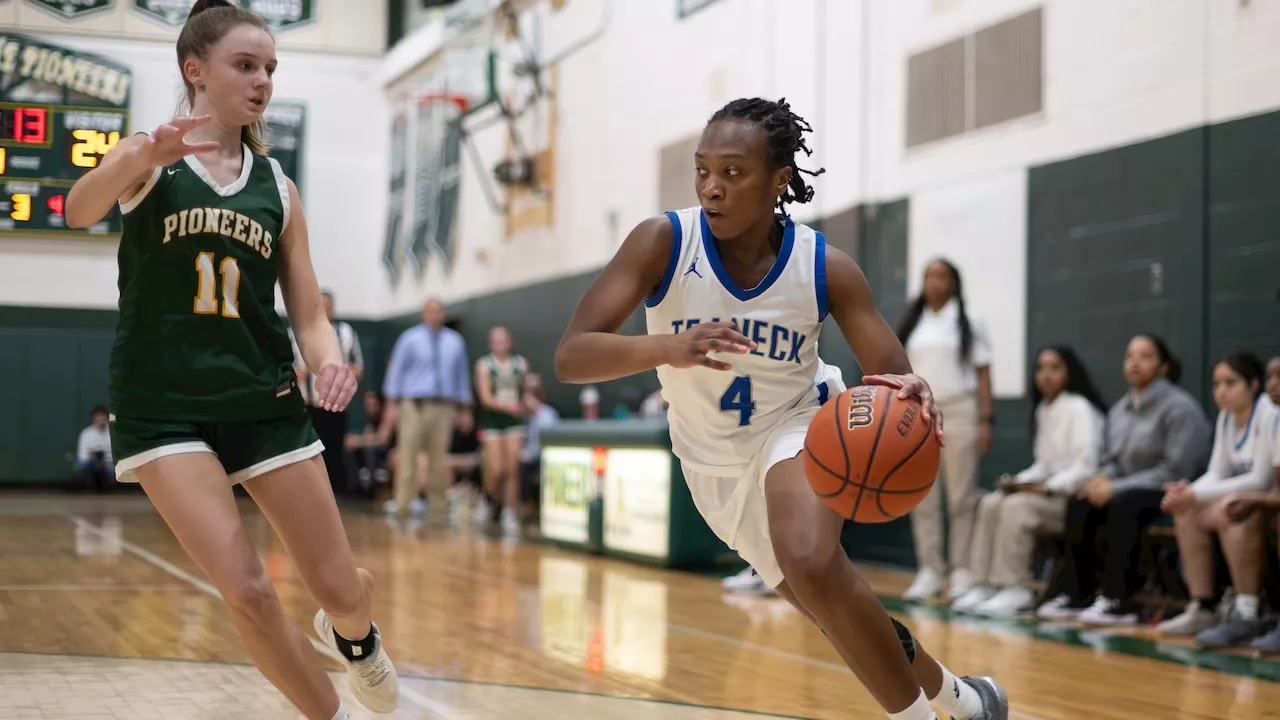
[{"x": 720, "y": 419}]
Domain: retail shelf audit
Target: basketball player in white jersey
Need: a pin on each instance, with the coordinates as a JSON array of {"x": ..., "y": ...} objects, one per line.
[{"x": 735, "y": 297}]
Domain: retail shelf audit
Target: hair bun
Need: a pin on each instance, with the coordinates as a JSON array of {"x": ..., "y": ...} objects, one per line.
[{"x": 202, "y": 5}]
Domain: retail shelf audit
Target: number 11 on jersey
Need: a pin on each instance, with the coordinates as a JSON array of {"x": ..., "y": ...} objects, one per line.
[
  {"x": 206, "y": 297},
  {"x": 737, "y": 397}
]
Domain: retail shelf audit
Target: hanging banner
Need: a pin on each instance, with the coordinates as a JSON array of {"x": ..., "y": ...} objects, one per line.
[
  {"x": 395, "y": 202},
  {"x": 286, "y": 131},
  {"x": 282, "y": 14},
  {"x": 436, "y": 176},
  {"x": 74, "y": 9},
  {"x": 169, "y": 12}
]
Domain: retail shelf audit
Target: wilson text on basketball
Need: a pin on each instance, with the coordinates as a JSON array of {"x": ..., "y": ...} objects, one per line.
[{"x": 862, "y": 402}]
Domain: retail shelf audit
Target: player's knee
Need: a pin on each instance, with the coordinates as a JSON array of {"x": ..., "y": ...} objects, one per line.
[
  {"x": 806, "y": 558},
  {"x": 906, "y": 638},
  {"x": 338, "y": 595},
  {"x": 252, "y": 596}
]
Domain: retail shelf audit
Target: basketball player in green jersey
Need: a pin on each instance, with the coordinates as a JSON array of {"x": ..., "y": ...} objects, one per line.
[
  {"x": 500, "y": 391},
  {"x": 202, "y": 393}
]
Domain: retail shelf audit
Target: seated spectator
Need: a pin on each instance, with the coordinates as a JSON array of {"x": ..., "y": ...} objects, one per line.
[
  {"x": 1241, "y": 461},
  {"x": 1156, "y": 434},
  {"x": 540, "y": 416},
  {"x": 1066, "y": 428},
  {"x": 370, "y": 448},
  {"x": 1242, "y": 507},
  {"x": 93, "y": 464}
]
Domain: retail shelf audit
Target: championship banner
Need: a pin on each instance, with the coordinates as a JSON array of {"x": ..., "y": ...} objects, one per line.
[
  {"x": 282, "y": 14},
  {"x": 286, "y": 131},
  {"x": 74, "y": 9},
  {"x": 437, "y": 173},
  {"x": 84, "y": 78},
  {"x": 169, "y": 12},
  {"x": 395, "y": 202}
]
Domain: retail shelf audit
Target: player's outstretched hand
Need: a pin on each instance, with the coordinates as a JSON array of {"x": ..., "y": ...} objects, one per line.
[
  {"x": 912, "y": 386},
  {"x": 168, "y": 144},
  {"x": 335, "y": 386},
  {"x": 690, "y": 347}
]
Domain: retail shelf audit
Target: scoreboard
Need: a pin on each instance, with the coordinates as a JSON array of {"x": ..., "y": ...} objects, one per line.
[{"x": 61, "y": 111}]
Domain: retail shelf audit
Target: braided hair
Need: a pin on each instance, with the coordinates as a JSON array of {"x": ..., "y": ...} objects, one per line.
[{"x": 784, "y": 136}]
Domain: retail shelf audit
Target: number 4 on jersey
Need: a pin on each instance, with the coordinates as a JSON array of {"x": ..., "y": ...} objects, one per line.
[{"x": 737, "y": 397}]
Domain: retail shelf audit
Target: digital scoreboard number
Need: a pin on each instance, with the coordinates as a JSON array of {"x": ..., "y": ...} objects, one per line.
[{"x": 61, "y": 112}]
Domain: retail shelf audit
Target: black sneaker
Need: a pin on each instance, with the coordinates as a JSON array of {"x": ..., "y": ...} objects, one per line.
[{"x": 995, "y": 702}]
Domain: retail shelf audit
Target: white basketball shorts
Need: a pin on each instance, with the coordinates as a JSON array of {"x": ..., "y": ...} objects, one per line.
[{"x": 734, "y": 507}]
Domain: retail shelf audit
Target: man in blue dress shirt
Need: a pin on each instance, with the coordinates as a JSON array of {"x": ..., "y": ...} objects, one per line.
[{"x": 428, "y": 379}]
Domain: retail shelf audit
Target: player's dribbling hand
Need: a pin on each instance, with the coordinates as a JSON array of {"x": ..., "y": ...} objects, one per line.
[
  {"x": 335, "y": 386},
  {"x": 167, "y": 144},
  {"x": 690, "y": 348},
  {"x": 911, "y": 385}
]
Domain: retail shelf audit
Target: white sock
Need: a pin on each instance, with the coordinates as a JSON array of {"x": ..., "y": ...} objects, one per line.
[
  {"x": 955, "y": 698},
  {"x": 1247, "y": 606},
  {"x": 342, "y": 714},
  {"x": 919, "y": 710}
]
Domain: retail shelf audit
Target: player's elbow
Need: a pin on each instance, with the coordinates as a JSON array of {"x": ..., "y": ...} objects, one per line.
[
  {"x": 77, "y": 216},
  {"x": 566, "y": 372}
]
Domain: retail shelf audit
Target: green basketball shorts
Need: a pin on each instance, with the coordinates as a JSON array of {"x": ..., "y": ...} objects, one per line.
[
  {"x": 245, "y": 449},
  {"x": 500, "y": 423}
]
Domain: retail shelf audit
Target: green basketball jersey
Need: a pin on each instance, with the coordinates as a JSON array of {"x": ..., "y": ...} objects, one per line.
[
  {"x": 506, "y": 382},
  {"x": 199, "y": 337}
]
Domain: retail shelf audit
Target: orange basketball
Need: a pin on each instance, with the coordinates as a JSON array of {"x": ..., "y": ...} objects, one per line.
[{"x": 870, "y": 455}]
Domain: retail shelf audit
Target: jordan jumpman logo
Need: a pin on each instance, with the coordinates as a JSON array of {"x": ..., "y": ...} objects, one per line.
[{"x": 693, "y": 267}]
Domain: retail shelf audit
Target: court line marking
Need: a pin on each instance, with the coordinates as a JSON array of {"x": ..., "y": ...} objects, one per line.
[
  {"x": 705, "y": 634},
  {"x": 104, "y": 587},
  {"x": 436, "y": 708}
]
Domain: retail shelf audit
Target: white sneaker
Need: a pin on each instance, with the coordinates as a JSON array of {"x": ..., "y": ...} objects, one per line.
[
  {"x": 927, "y": 585},
  {"x": 1107, "y": 612},
  {"x": 373, "y": 680},
  {"x": 1009, "y": 602},
  {"x": 972, "y": 599},
  {"x": 747, "y": 581},
  {"x": 1059, "y": 608},
  {"x": 961, "y": 583},
  {"x": 417, "y": 507},
  {"x": 480, "y": 512},
  {"x": 1190, "y": 621},
  {"x": 510, "y": 522}
]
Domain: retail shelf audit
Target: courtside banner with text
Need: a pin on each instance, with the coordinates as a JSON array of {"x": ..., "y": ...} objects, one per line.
[
  {"x": 566, "y": 494},
  {"x": 637, "y": 501}
]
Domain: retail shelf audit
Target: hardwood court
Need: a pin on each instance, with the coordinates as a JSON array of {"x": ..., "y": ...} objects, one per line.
[{"x": 103, "y": 617}]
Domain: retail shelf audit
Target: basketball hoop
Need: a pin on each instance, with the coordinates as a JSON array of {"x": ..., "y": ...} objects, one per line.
[{"x": 426, "y": 99}]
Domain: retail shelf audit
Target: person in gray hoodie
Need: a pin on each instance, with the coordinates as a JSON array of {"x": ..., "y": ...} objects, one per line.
[{"x": 1156, "y": 434}]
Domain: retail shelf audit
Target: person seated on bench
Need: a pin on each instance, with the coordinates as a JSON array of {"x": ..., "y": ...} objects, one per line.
[
  {"x": 1241, "y": 462},
  {"x": 1066, "y": 429},
  {"x": 1263, "y": 506},
  {"x": 1156, "y": 434},
  {"x": 94, "y": 465}
]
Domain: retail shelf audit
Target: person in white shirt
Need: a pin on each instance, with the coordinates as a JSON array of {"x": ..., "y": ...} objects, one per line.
[
  {"x": 1242, "y": 461},
  {"x": 1243, "y": 507},
  {"x": 1067, "y": 430},
  {"x": 93, "y": 451},
  {"x": 948, "y": 346}
]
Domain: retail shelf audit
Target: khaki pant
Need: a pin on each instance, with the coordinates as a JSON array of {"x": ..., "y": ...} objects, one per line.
[
  {"x": 1005, "y": 536},
  {"x": 959, "y": 470},
  {"x": 424, "y": 426}
]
